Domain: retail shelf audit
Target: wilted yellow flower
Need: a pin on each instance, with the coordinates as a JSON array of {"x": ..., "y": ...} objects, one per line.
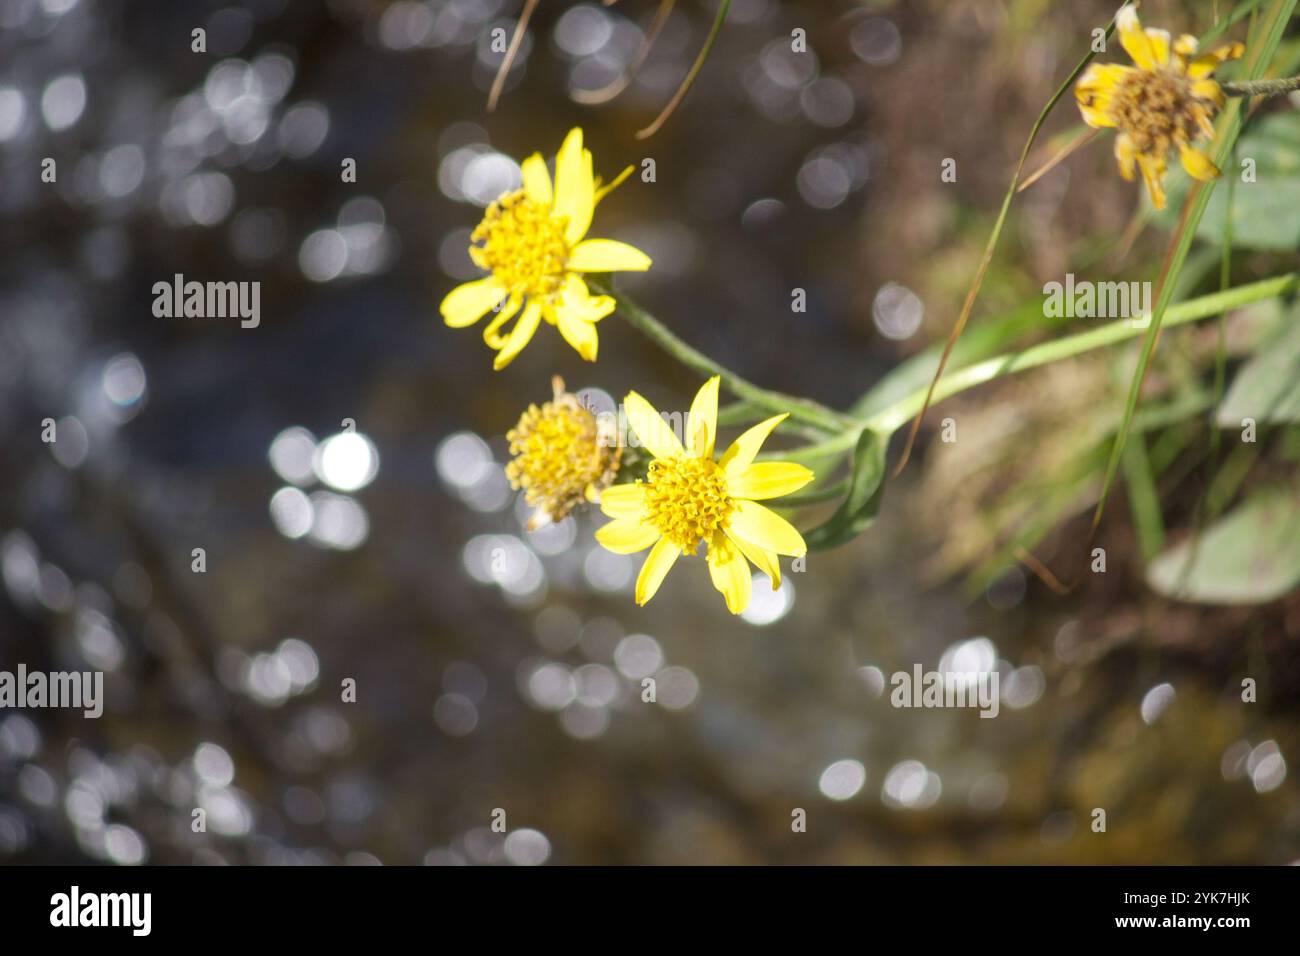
[
  {"x": 1166, "y": 101},
  {"x": 563, "y": 455},
  {"x": 531, "y": 240},
  {"x": 688, "y": 497}
]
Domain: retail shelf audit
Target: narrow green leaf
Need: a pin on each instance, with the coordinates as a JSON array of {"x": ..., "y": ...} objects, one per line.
[
  {"x": 1144, "y": 499},
  {"x": 859, "y": 507}
]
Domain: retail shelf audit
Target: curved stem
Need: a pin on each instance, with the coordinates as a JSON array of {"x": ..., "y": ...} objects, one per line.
[
  {"x": 620, "y": 83},
  {"x": 845, "y": 430},
  {"x": 801, "y": 409},
  {"x": 888, "y": 420},
  {"x": 1045, "y": 353},
  {"x": 507, "y": 61},
  {"x": 989, "y": 248},
  {"x": 691, "y": 74}
]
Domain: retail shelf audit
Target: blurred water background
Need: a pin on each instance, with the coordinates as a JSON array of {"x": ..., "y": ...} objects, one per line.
[{"x": 362, "y": 550}]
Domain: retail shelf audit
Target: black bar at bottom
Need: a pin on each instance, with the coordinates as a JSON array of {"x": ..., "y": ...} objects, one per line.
[{"x": 215, "y": 905}]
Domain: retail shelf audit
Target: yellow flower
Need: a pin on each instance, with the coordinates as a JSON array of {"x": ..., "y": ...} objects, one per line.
[
  {"x": 1163, "y": 102},
  {"x": 688, "y": 497},
  {"x": 531, "y": 240},
  {"x": 563, "y": 456}
]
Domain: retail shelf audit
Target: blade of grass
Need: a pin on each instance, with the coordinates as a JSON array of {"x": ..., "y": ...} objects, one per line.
[
  {"x": 1083, "y": 135},
  {"x": 1144, "y": 499},
  {"x": 512, "y": 51},
  {"x": 1239, "y": 12},
  {"x": 690, "y": 76},
  {"x": 1270, "y": 32},
  {"x": 610, "y": 91},
  {"x": 989, "y": 248},
  {"x": 1220, "y": 380}
]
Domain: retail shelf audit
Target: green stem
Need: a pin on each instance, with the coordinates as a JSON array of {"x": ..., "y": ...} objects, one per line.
[
  {"x": 801, "y": 409},
  {"x": 1071, "y": 345},
  {"x": 890, "y": 419},
  {"x": 1262, "y": 87},
  {"x": 844, "y": 430}
]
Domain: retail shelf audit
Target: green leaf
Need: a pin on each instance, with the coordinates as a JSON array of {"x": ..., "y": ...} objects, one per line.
[
  {"x": 1270, "y": 150},
  {"x": 1249, "y": 556},
  {"x": 859, "y": 507},
  {"x": 1262, "y": 211},
  {"x": 1267, "y": 388}
]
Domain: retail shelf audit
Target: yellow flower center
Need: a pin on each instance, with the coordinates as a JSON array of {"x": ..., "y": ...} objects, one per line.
[
  {"x": 687, "y": 499},
  {"x": 522, "y": 245},
  {"x": 560, "y": 457},
  {"x": 1158, "y": 109}
]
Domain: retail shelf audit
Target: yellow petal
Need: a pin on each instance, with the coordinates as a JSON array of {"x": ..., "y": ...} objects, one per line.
[
  {"x": 1095, "y": 92},
  {"x": 607, "y": 255},
  {"x": 627, "y": 535},
  {"x": 702, "y": 425},
  {"x": 575, "y": 189},
  {"x": 657, "y": 565},
  {"x": 578, "y": 300},
  {"x": 769, "y": 479},
  {"x": 650, "y": 428},
  {"x": 623, "y": 501},
  {"x": 469, "y": 302},
  {"x": 1160, "y": 44},
  {"x": 1207, "y": 89},
  {"x": 765, "y": 529},
  {"x": 1184, "y": 47},
  {"x": 1197, "y": 164},
  {"x": 765, "y": 561},
  {"x": 1153, "y": 172},
  {"x": 729, "y": 572},
  {"x": 1202, "y": 117},
  {"x": 537, "y": 181},
  {"x": 491, "y": 336},
  {"x": 741, "y": 454},
  {"x": 1096, "y": 118},
  {"x": 1134, "y": 39},
  {"x": 1102, "y": 78},
  {"x": 1207, "y": 63},
  {"x": 1125, "y": 155},
  {"x": 594, "y": 308},
  {"x": 578, "y": 332},
  {"x": 520, "y": 335}
]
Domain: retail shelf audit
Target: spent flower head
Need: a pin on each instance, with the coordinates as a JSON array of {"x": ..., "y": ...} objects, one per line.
[
  {"x": 532, "y": 242},
  {"x": 688, "y": 497},
  {"x": 563, "y": 455},
  {"x": 1164, "y": 102}
]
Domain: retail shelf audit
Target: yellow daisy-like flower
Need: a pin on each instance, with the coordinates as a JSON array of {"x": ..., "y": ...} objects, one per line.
[
  {"x": 688, "y": 498},
  {"x": 563, "y": 455},
  {"x": 1165, "y": 101},
  {"x": 532, "y": 241}
]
